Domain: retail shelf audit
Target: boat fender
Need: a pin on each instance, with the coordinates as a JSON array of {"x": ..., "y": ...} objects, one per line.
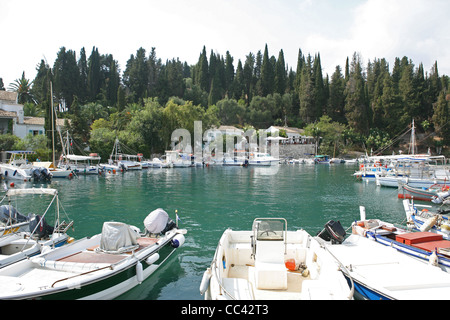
[
  {"x": 429, "y": 224},
  {"x": 152, "y": 259},
  {"x": 139, "y": 272},
  {"x": 204, "y": 285},
  {"x": 178, "y": 241},
  {"x": 433, "y": 259}
]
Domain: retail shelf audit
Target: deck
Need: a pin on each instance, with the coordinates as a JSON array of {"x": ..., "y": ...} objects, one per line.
[{"x": 240, "y": 283}]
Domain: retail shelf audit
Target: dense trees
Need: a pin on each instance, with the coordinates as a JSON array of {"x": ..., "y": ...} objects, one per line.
[{"x": 150, "y": 96}]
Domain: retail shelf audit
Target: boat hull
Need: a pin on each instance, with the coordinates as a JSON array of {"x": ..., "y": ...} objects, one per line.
[{"x": 99, "y": 283}]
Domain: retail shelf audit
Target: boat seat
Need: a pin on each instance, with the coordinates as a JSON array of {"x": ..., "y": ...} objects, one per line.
[{"x": 270, "y": 270}]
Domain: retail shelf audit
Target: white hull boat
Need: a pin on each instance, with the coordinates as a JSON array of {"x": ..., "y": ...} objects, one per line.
[
  {"x": 262, "y": 159},
  {"x": 23, "y": 237},
  {"x": 271, "y": 263},
  {"x": 100, "y": 267},
  {"x": 382, "y": 273}
]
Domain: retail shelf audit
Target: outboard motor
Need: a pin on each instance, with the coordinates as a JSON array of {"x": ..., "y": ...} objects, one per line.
[
  {"x": 333, "y": 231},
  {"x": 158, "y": 221},
  {"x": 43, "y": 229},
  {"x": 45, "y": 175},
  {"x": 36, "y": 174}
]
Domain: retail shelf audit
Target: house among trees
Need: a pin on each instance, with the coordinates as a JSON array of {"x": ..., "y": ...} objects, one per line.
[
  {"x": 293, "y": 135},
  {"x": 12, "y": 119}
]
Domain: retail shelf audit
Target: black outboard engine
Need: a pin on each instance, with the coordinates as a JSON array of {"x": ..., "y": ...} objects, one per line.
[
  {"x": 43, "y": 230},
  {"x": 36, "y": 174},
  {"x": 45, "y": 175},
  {"x": 333, "y": 231}
]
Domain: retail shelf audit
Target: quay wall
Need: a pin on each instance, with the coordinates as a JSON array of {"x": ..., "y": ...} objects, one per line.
[{"x": 296, "y": 151}]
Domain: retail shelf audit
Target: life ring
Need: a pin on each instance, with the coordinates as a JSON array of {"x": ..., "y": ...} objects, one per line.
[{"x": 361, "y": 166}]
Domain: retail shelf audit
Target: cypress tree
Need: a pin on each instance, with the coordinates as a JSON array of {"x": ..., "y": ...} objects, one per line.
[
  {"x": 280, "y": 74},
  {"x": 355, "y": 107},
  {"x": 267, "y": 74}
]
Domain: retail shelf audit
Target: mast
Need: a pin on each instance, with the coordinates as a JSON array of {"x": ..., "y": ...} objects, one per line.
[{"x": 53, "y": 123}]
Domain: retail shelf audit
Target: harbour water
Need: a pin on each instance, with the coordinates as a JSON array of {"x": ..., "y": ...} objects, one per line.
[{"x": 212, "y": 199}]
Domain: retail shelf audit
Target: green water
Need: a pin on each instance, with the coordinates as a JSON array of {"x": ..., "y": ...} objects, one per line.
[{"x": 210, "y": 200}]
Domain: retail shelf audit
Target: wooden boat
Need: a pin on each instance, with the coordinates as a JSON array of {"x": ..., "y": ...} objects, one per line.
[
  {"x": 23, "y": 237},
  {"x": 380, "y": 272},
  {"x": 422, "y": 218},
  {"x": 425, "y": 246},
  {"x": 435, "y": 191},
  {"x": 269, "y": 262},
  {"x": 103, "y": 266}
]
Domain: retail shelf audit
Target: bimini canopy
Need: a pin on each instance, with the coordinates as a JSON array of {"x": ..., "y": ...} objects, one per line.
[{"x": 13, "y": 192}]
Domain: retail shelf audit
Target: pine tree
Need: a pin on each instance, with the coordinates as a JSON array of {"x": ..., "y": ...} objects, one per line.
[
  {"x": 83, "y": 70},
  {"x": 229, "y": 74},
  {"x": 441, "y": 118},
  {"x": 355, "y": 107},
  {"x": 66, "y": 76},
  {"x": 337, "y": 99},
  {"x": 306, "y": 93},
  {"x": 93, "y": 80},
  {"x": 267, "y": 74},
  {"x": 319, "y": 90},
  {"x": 280, "y": 74}
]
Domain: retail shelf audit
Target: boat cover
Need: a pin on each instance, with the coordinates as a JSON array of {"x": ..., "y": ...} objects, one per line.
[
  {"x": 118, "y": 237},
  {"x": 10, "y": 214},
  {"x": 156, "y": 221}
]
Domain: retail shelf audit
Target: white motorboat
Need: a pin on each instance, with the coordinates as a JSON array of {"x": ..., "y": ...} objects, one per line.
[
  {"x": 26, "y": 236},
  {"x": 85, "y": 165},
  {"x": 262, "y": 159},
  {"x": 269, "y": 262},
  {"x": 103, "y": 266}
]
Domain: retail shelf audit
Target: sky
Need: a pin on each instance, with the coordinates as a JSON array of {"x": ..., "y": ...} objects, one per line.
[{"x": 34, "y": 30}]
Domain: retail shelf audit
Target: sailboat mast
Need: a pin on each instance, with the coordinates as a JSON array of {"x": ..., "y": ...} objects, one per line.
[
  {"x": 53, "y": 123},
  {"x": 413, "y": 139}
]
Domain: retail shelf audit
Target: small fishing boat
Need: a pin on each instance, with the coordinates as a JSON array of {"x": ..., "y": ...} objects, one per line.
[
  {"x": 425, "y": 246},
  {"x": 269, "y": 262},
  {"x": 434, "y": 192},
  {"x": 422, "y": 218},
  {"x": 380, "y": 272},
  {"x": 26, "y": 236},
  {"x": 103, "y": 266}
]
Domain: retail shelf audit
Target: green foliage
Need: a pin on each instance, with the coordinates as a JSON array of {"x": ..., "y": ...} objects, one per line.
[
  {"x": 259, "y": 90},
  {"x": 23, "y": 88},
  {"x": 377, "y": 140},
  {"x": 8, "y": 141},
  {"x": 330, "y": 134}
]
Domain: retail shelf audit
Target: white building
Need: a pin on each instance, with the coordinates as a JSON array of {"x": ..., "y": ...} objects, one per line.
[
  {"x": 294, "y": 135},
  {"x": 10, "y": 110}
]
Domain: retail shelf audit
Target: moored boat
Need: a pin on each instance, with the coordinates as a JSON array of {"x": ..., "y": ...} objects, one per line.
[
  {"x": 425, "y": 246},
  {"x": 103, "y": 266},
  {"x": 380, "y": 272},
  {"x": 270, "y": 262},
  {"x": 262, "y": 159},
  {"x": 405, "y": 191},
  {"x": 26, "y": 236}
]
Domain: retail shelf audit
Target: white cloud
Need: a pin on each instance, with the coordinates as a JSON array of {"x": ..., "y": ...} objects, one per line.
[{"x": 418, "y": 29}]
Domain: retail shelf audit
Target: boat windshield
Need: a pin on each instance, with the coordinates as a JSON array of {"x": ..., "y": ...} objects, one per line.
[{"x": 269, "y": 229}]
